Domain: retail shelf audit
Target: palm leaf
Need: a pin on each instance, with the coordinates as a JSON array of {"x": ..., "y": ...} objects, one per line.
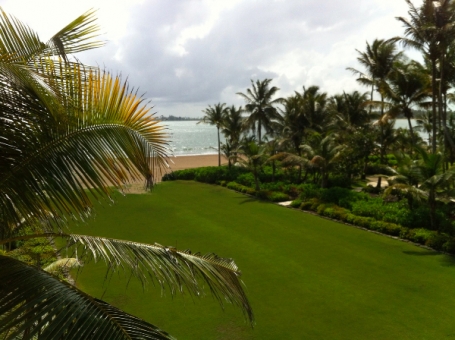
[
  {"x": 77, "y": 36},
  {"x": 104, "y": 136},
  {"x": 34, "y": 303},
  {"x": 171, "y": 268}
]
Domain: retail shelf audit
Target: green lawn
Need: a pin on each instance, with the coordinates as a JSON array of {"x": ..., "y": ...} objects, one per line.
[{"x": 306, "y": 277}]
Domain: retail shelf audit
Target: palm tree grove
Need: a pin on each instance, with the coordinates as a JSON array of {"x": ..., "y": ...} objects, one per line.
[{"x": 72, "y": 135}]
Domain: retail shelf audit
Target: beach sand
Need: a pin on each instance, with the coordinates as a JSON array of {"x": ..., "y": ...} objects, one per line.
[
  {"x": 193, "y": 161},
  {"x": 177, "y": 163}
]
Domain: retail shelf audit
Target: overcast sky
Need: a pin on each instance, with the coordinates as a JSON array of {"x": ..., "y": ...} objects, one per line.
[{"x": 187, "y": 54}]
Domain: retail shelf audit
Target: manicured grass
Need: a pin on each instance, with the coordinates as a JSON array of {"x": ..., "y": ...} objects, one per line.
[{"x": 306, "y": 277}]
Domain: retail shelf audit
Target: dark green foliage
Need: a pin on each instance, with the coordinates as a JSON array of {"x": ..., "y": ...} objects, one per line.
[
  {"x": 308, "y": 191},
  {"x": 397, "y": 212},
  {"x": 341, "y": 181},
  {"x": 296, "y": 203},
  {"x": 210, "y": 174},
  {"x": 246, "y": 179}
]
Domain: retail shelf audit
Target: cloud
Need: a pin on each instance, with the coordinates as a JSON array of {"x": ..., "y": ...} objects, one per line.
[{"x": 185, "y": 54}]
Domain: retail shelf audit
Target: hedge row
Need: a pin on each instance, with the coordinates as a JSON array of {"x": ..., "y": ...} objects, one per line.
[
  {"x": 208, "y": 174},
  {"x": 273, "y": 196},
  {"x": 432, "y": 239}
]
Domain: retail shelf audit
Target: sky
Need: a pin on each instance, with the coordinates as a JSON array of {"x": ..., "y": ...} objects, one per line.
[{"x": 184, "y": 55}]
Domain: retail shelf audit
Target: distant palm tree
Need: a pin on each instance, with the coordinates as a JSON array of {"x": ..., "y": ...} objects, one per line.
[
  {"x": 348, "y": 110},
  {"x": 215, "y": 116},
  {"x": 260, "y": 105},
  {"x": 324, "y": 156},
  {"x": 233, "y": 124},
  {"x": 378, "y": 60},
  {"x": 254, "y": 158},
  {"x": 408, "y": 86},
  {"x": 430, "y": 29},
  {"x": 315, "y": 110}
]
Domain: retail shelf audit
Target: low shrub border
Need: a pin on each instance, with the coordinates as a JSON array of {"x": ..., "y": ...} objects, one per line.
[{"x": 430, "y": 239}]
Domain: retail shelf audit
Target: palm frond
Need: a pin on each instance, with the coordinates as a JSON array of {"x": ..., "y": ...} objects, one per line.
[
  {"x": 77, "y": 36},
  {"x": 34, "y": 303},
  {"x": 171, "y": 268},
  {"x": 103, "y": 137}
]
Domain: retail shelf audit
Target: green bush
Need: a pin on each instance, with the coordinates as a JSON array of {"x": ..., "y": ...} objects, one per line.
[
  {"x": 340, "y": 181},
  {"x": 277, "y": 196},
  {"x": 419, "y": 235},
  {"x": 449, "y": 246},
  {"x": 437, "y": 241},
  {"x": 396, "y": 212},
  {"x": 296, "y": 203},
  {"x": 311, "y": 204},
  {"x": 246, "y": 179},
  {"x": 210, "y": 174},
  {"x": 309, "y": 191}
]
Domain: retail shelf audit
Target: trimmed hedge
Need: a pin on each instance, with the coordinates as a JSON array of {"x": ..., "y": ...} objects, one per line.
[
  {"x": 209, "y": 174},
  {"x": 432, "y": 239}
]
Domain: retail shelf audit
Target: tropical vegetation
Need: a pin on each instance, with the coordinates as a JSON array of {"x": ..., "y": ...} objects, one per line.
[
  {"x": 350, "y": 140},
  {"x": 71, "y": 134}
]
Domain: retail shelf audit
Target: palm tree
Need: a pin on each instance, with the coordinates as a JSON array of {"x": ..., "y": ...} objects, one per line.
[
  {"x": 348, "y": 110},
  {"x": 408, "y": 85},
  {"x": 232, "y": 126},
  {"x": 430, "y": 30},
  {"x": 325, "y": 155},
  {"x": 378, "y": 61},
  {"x": 232, "y": 129},
  {"x": 254, "y": 157},
  {"x": 65, "y": 129},
  {"x": 260, "y": 105},
  {"x": 315, "y": 108},
  {"x": 215, "y": 116}
]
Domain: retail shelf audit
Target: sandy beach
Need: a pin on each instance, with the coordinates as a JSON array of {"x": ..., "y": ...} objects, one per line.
[{"x": 193, "y": 161}]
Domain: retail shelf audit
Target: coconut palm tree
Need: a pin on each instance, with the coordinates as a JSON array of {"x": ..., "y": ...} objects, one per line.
[
  {"x": 378, "y": 62},
  {"x": 430, "y": 29},
  {"x": 232, "y": 127},
  {"x": 261, "y": 106},
  {"x": 324, "y": 156},
  {"x": 407, "y": 87},
  {"x": 68, "y": 130},
  {"x": 215, "y": 116},
  {"x": 254, "y": 157}
]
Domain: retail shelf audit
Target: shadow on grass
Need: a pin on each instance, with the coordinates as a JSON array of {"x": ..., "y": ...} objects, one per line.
[
  {"x": 245, "y": 200},
  {"x": 446, "y": 260},
  {"x": 421, "y": 253}
]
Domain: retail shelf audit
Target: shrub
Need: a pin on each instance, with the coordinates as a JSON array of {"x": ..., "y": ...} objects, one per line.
[
  {"x": 449, "y": 245},
  {"x": 296, "y": 203},
  {"x": 277, "y": 196},
  {"x": 436, "y": 241},
  {"x": 309, "y": 191},
  {"x": 340, "y": 181},
  {"x": 419, "y": 235},
  {"x": 311, "y": 204},
  {"x": 246, "y": 179}
]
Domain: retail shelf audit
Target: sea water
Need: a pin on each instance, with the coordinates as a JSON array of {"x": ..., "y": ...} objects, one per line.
[{"x": 189, "y": 138}]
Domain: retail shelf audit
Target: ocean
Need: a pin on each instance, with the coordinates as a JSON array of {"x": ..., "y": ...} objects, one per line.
[{"x": 190, "y": 138}]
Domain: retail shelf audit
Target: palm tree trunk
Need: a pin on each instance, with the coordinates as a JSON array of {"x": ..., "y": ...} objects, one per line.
[
  {"x": 219, "y": 146},
  {"x": 433, "y": 104},
  {"x": 411, "y": 132},
  {"x": 382, "y": 151}
]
